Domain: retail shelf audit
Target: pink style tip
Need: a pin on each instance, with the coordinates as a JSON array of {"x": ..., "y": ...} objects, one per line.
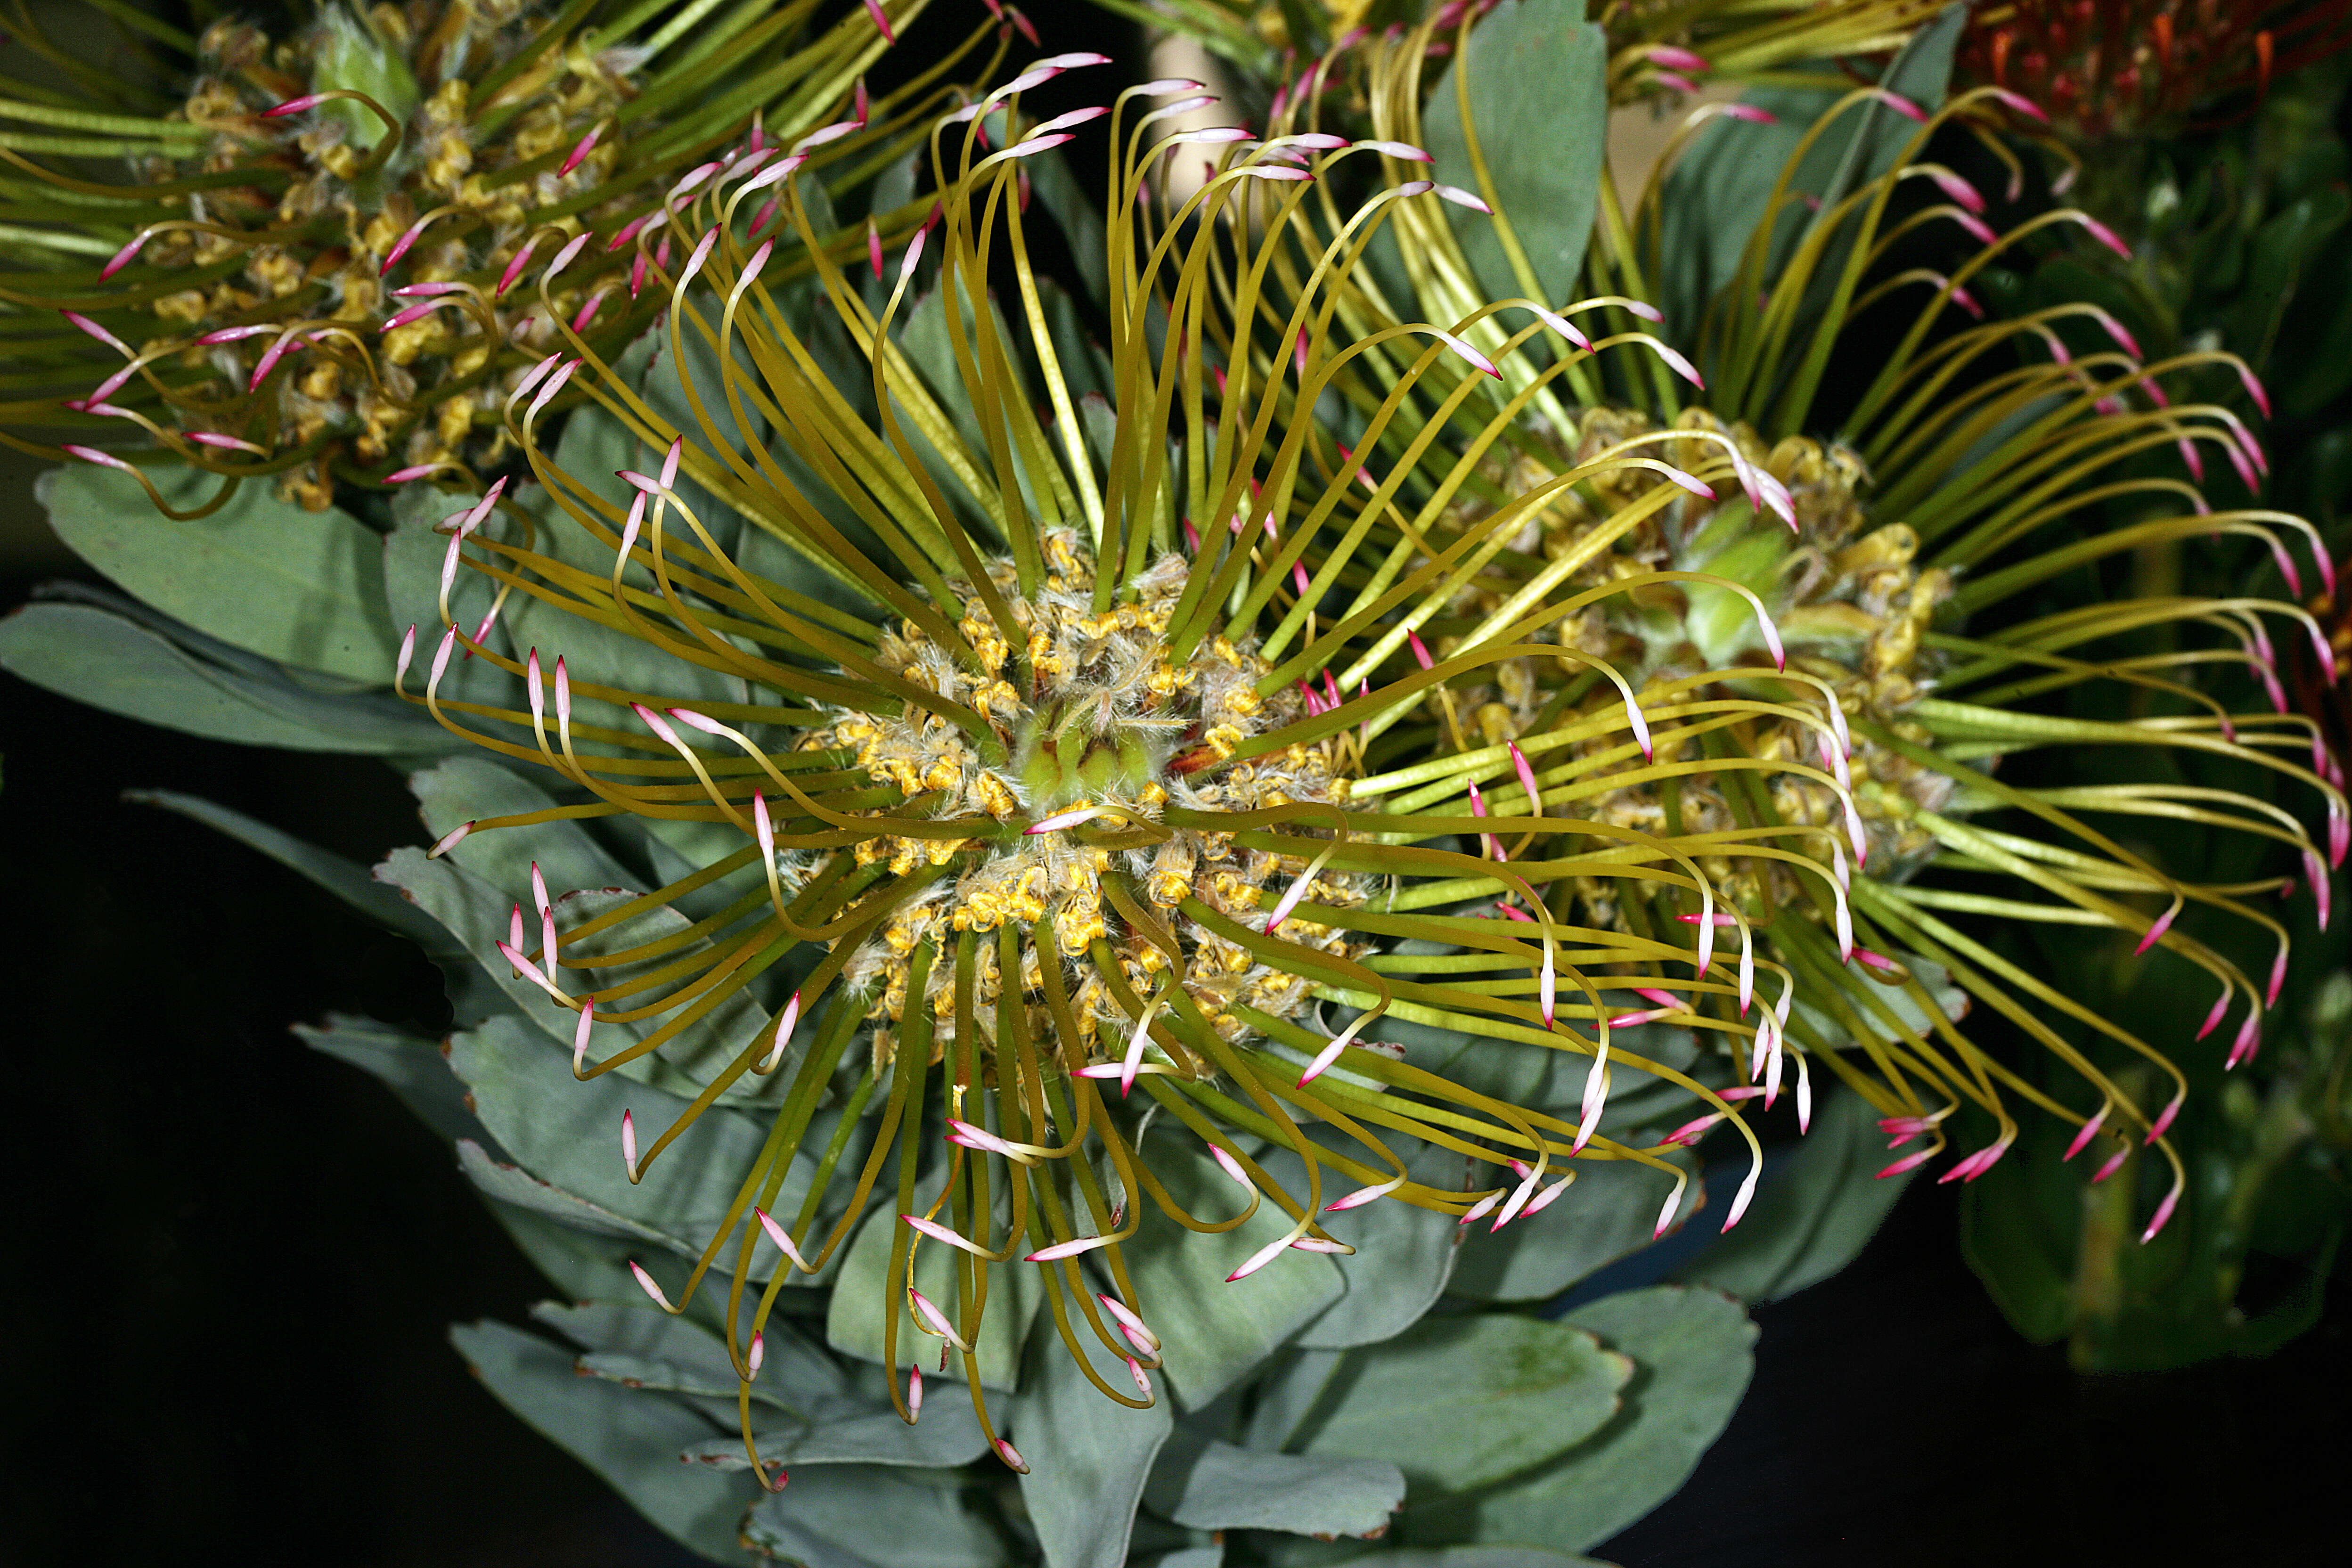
[
  {"x": 578, "y": 153},
  {"x": 782, "y": 1238},
  {"x": 2248, "y": 1041},
  {"x": 1902, "y": 106},
  {"x": 123, "y": 259},
  {"x": 2020, "y": 102},
  {"x": 1232, "y": 1167},
  {"x": 1974, "y": 1166},
  {"x": 1908, "y": 1163},
  {"x": 2213, "y": 1019},
  {"x": 2254, "y": 388},
  {"x": 645, "y": 1283},
  {"x": 1481, "y": 1209},
  {"x": 1666, "y": 1214},
  {"x": 404, "y": 244},
  {"x": 2104, "y": 234},
  {"x": 92, "y": 455},
  {"x": 2089, "y": 1130},
  {"x": 515, "y": 268},
  {"x": 1260, "y": 1258},
  {"x": 85, "y": 324}
]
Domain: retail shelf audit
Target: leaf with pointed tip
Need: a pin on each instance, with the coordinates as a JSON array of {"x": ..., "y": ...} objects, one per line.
[
  {"x": 1538, "y": 106},
  {"x": 475, "y": 888},
  {"x": 581, "y": 1263},
  {"x": 638, "y": 1328},
  {"x": 1087, "y": 1455},
  {"x": 796, "y": 1367},
  {"x": 828, "y": 1416},
  {"x": 347, "y": 880},
  {"x": 874, "y": 1516},
  {"x": 630, "y": 1437},
  {"x": 412, "y": 1066},
  {"x": 107, "y": 657},
  {"x": 1285, "y": 1394},
  {"x": 859, "y": 1432},
  {"x": 512, "y": 1184},
  {"x": 564, "y": 1134},
  {"x": 1456, "y": 1403},
  {"x": 263, "y": 575},
  {"x": 1693, "y": 1355}
]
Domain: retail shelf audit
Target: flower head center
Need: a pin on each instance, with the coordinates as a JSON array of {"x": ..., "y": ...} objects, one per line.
[{"x": 1101, "y": 731}]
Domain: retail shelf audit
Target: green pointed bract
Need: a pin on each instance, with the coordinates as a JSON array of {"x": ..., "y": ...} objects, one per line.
[{"x": 1982, "y": 462}]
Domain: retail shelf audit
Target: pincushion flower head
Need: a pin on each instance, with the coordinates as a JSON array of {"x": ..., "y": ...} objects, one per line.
[
  {"x": 229, "y": 297},
  {"x": 1903, "y": 568},
  {"x": 1009, "y": 706}
]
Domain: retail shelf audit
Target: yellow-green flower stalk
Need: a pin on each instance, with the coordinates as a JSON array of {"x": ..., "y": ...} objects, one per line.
[
  {"x": 223, "y": 282},
  {"x": 1656, "y": 46},
  {"x": 1977, "y": 467},
  {"x": 1044, "y": 783}
]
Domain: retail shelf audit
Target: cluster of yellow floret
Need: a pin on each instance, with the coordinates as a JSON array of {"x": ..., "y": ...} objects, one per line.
[
  {"x": 1098, "y": 685},
  {"x": 424, "y": 391},
  {"x": 1850, "y": 600}
]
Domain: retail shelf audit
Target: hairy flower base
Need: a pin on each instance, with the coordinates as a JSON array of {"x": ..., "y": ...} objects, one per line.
[{"x": 1110, "y": 730}]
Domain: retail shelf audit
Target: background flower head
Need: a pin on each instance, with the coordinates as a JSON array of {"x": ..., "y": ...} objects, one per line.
[
  {"x": 289, "y": 193},
  {"x": 1972, "y": 470}
]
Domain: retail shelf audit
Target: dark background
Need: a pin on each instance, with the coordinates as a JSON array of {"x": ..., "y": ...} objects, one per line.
[{"x": 234, "y": 1260}]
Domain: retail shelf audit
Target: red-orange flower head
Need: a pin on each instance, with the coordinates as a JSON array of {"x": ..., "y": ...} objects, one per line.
[{"x": 2106, "y": 67}]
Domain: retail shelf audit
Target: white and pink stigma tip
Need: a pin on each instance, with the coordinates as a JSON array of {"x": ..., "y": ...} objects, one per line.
[{"x": 645, "y": 1283}]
